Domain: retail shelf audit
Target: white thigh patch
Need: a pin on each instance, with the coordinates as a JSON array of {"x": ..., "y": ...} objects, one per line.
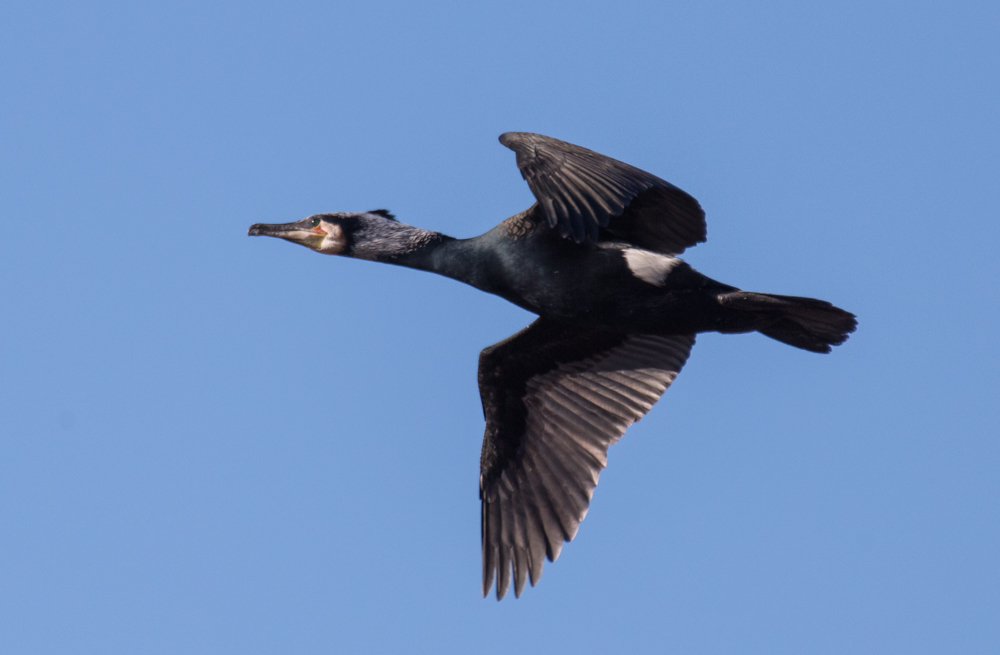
[{"x": 649, "y": 266}]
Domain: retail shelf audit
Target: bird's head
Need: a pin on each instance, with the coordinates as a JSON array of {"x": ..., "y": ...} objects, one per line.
[{"x": 330, "y": 234}]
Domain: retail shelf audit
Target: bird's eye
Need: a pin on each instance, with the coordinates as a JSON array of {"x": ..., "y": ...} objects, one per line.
[{"x": 315, "y": 222}]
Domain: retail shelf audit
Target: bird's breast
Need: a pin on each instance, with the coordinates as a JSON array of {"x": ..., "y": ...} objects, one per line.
[{"x": 585, "y": 281}]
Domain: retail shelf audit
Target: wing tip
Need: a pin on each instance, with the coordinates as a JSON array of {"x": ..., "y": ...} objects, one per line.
[{"x": 513, "y": 140}]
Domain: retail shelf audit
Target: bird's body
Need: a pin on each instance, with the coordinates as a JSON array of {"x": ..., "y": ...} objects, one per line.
[
  {"x": 526, "y": 262},
  {"x": 596, "y": 260}
]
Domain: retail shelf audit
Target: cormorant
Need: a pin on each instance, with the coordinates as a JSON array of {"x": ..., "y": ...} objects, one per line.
[{"x": 596, "y": 259}]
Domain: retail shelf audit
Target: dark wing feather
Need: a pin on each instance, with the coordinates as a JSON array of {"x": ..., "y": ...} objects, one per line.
[
  {"x": 555, "y": 397},
  {"x": 584, "y": 195}
]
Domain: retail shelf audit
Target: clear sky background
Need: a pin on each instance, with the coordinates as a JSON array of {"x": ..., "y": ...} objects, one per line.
[{"x": 215, "y": 444}]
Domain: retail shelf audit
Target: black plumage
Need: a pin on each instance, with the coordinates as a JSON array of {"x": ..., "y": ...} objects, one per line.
[
  {"x": 618, "y": 314},
  {"x": 580, "y": 192}
]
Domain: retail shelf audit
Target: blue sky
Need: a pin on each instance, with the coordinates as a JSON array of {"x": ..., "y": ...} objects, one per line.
[{"x": 215, "y": 444}]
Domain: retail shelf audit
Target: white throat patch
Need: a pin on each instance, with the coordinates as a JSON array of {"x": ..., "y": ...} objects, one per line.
[
  {"x": 334, "y": 242},
  {"x": 651, "y": 267}
]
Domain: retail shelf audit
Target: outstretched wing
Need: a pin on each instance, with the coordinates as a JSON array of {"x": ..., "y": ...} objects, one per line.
[
  {"x": 556, "y": 396},
  {"x": 584, "y": 194}
]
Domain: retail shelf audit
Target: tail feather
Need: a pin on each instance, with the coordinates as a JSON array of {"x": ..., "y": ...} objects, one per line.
[{"x": 805, "y": 323}]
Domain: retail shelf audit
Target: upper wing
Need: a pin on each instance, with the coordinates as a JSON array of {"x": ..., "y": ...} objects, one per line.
[
  {"x": 581, "y": 192},
  {"x": 555, "y": 397}
]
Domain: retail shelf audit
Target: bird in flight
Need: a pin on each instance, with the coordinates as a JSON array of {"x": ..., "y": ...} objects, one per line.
[{"x": 596, "y": 259}]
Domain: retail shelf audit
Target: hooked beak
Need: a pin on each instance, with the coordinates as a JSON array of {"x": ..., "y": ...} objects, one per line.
[
  {"x": 300, "y": 232},
  {"x": 280, "y": 230},
  {"x": 321, "y": 237}
]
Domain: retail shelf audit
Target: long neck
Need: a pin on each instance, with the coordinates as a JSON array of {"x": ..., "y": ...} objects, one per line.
[
  {"x": 391, "y": 242},
  {"x": 405, "y": 245}
]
